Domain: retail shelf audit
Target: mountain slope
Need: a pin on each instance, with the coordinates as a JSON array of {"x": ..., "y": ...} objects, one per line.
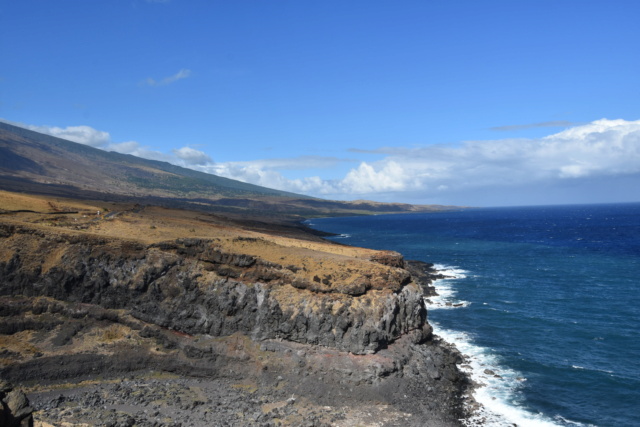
[
  {"x": 36, "y": 163},
  {"x": 44, "y": 158}
]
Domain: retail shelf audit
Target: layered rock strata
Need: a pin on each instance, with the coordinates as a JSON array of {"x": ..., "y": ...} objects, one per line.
[
  {"x": 348, "y": 330},
  {"x": 196, "y": 287}
]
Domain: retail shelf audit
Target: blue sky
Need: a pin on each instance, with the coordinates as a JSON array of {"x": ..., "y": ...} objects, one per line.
[{"x": 455, "y": 102}]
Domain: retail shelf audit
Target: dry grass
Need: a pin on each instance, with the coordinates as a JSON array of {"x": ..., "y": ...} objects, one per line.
[
  {"x": 18, "y": 201},
  {"x": 18, "y": 343},
  {"x": 151, "y": 224},
  {"x": 114, "y": 333}
]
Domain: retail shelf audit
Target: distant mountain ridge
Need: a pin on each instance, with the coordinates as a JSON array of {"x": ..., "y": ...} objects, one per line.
[
  {"x": 95, "y": 168},
  {"x": 37, "y": 163}
]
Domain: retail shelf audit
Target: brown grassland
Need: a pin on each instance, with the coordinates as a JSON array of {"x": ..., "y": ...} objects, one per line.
[{"x": 151, "y": 224}]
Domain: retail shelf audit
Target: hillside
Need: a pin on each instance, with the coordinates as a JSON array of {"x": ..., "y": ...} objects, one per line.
[{"x": 41, "y": 164}]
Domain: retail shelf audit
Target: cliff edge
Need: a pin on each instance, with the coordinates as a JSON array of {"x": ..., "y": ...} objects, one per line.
[{"x": 158, "y": 305}]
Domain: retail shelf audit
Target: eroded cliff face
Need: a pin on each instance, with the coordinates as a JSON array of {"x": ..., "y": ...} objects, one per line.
[
  {"x": 264, "y": 317},
  {"x": 199, "y": 286}
]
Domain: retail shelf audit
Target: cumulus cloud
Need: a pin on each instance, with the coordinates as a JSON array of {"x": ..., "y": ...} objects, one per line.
[
  {"x": 192, "y": 156},
  {"x": 268, "y": 173},
  {"x": 293, "y": 163},
  {"x": 182, "y": 74},
  {"x": 254, "y": 173},
  {"x": 82, "y": 134},
  {"x": 603, "y": 148},
  {"x": 390, "y": 176},
  {"x": 129, "y": 147}
]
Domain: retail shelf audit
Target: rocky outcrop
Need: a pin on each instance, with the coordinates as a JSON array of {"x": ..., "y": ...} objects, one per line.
[
  {"x": 340, "y": 332},
  {"x": 390, "y": 258},
  {"x": 15, "y": 410},
  {"x": 424, "y": 273},
  {"x": 197, "y": 287}
]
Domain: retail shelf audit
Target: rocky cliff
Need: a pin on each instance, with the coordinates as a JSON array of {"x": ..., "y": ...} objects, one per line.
[
  {"x": 331, "y": 325},
  {"x": 196, "y": 287}
]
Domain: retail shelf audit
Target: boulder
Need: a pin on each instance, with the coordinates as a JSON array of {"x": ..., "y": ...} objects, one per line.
[{"x": 15, "y": 410}]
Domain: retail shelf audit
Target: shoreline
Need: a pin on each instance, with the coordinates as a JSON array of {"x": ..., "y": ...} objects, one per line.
[
  {"x": 492, "y": 384},
  {"x": 521, "y": 306},
  {"x": 428, "y": 274},
  {"x": 111, "y": 310}
]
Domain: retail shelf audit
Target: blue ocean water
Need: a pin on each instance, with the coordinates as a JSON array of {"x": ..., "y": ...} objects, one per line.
[{"x": 544, "y": 301}]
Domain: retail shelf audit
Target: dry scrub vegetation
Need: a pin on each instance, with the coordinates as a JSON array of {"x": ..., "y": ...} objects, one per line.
[{"x": 317, "y": 259}]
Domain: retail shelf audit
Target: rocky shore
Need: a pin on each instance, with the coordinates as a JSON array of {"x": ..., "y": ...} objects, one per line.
[{"x": 238, "y": 329}]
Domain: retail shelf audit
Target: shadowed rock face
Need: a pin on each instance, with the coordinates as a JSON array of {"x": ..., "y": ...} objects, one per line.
[
  {"x": 196, "y": 287},
  {"x": 14, "y": 407}
]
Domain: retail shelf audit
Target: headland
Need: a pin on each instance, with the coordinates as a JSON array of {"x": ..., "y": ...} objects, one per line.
[{"x": 126, "y": 314}]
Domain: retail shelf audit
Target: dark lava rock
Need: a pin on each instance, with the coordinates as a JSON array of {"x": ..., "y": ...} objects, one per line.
[{"x": 15, "y": 410}]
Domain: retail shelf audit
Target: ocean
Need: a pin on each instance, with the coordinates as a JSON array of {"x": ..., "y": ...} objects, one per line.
[{"x": 543, "y": 301}]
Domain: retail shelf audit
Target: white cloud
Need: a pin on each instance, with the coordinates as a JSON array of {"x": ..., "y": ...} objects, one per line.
[
  {"x": 292, "y": 163},
  {"x": 603, "y": 148},
  {"x": 390, "y": 176},
  {"x": 192, "y": 156},
  {"x": 589, "y": 155},
  {"x": 82, "y": 134},
  {"x": 135, "y": 149},
  {"x": 128, "y": 147},
  {"x": 182, "y": 74}
]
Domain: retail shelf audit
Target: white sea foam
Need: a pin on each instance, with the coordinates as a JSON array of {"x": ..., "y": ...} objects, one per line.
[
  {"x": 451, "y": 271},
  {"x": 497, "y": 390},
  {"x": 342, "y": 236},
  {"x": 498, "y": 386},
  {"x": 446, "y": 293}
]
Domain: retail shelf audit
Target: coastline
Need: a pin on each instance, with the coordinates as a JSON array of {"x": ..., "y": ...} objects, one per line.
[
  {"x": 542, "y": 339},
  {"x": 492, "y": 385},
  {"x": 429, "y": 276},
  {"x": 145, "y": 316}
]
